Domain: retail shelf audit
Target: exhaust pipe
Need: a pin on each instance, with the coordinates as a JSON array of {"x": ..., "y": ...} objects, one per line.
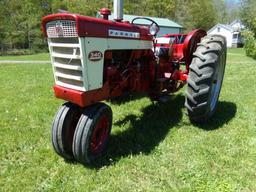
[{"x": 118, "y": 10}]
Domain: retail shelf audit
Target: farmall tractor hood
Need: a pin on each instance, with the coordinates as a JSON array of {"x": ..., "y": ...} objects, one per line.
[
  {"x": 84, "y": 26},
  {"x": 79, "y": 46}
]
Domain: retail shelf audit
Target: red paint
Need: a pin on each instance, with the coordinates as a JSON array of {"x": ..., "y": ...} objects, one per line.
[
  {"x": 162, "y": 45},
  {"x": 190, "y": 44},
  {"x": 183, "y": 76},
  {"x": 139, "y": 72},
  {"x": 180, "y": 75},
  {"x": 177, "y": 54},
  {"x": 176, "y": 75},
  {"x": 174, "y": 34},
  {"x": 99, "y": 134},
  {"x": 105, "y": 12},
  {"x": 81, "y": 98},
  {"x": 182, "y": 50},
  {"x": 96, "y": 27},
  {"x": 115, "y": 83},
  {"x": 176, "y": 46}
]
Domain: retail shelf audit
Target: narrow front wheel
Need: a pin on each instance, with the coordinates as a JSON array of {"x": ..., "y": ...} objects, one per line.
[
  {"x": 63, "y": 128},
  {"x": 92, "y": 133}
]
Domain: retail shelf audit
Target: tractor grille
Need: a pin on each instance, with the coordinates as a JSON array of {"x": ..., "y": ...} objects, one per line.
[
  {"x": 67, "y": 62},
  {"x": 61, "y": 28}
]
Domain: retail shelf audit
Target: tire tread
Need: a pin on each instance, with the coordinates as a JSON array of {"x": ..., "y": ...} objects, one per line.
[{"x": 200, "y": 77}]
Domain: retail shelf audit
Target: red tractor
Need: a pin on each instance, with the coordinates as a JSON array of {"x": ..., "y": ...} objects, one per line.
[
  {"x": 95, "y": 59},
  {"x": 171, "y": 43}
]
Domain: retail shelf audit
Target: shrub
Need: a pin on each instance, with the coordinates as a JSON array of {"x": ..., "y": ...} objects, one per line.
[
  {"x": 17, "y": 52},
  {"x": 249, "y": 43}
]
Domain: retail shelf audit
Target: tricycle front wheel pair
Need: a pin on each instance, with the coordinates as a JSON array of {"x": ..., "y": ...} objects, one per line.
[{"x": 81, "y": 135}]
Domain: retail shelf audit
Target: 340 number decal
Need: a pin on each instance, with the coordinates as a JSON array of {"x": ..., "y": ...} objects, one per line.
[{"x": 95, "y": 56}]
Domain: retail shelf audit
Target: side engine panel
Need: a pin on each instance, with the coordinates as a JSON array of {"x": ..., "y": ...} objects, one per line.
[
  {"x": 94, "y": 68},
  {"x": 78, "y": 63}
]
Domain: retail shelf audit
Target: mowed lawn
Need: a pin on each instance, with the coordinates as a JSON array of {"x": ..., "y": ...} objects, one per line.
[
  {"x": 153, "y": 147},
  {"x": 35, "y": 57}
]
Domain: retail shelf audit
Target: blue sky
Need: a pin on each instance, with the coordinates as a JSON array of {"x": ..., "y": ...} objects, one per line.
[{"x": 236, "y": 1}]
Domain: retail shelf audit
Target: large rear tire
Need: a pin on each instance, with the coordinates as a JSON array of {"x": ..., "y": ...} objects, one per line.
[
  {"x": 92, "y": 133},
  {"x": 205, "y": 78},
  {"x": 63, "y": 129}
]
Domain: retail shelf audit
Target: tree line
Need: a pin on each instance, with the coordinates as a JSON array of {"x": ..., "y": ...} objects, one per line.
[{"x": 20, "y": 23}]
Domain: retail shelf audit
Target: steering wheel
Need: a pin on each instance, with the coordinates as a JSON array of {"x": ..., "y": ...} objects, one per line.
[{"x": 153, "y": 27}]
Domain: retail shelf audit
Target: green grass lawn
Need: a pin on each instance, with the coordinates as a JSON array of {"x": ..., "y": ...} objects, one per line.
[
  {"x": 35, "y": 57},
  {"x": 235, "y": 51},
  {"x": 152, "y": 147}
]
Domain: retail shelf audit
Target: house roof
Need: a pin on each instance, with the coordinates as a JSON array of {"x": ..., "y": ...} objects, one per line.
[
  {"x": 235, "y": 21},
  {"x": 162, "y": 22},
  {"x": 227, "y": 27}
]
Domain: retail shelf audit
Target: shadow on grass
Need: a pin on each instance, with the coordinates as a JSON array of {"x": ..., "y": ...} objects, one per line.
[
  {"x": 224, "y": 113},
  {"x": 145, "y": 132},
  {"x": 126, "y": 98}
]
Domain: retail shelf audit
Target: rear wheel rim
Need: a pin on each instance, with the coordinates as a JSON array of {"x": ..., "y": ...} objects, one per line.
[
  {"x": 217, "y": 82},
  {"x": 99, "y": 135}
]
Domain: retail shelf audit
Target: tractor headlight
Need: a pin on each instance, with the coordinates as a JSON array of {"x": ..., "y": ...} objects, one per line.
[{"x": 153, "y": 29}]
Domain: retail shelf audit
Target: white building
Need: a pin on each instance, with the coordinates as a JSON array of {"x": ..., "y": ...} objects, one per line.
[{"x": 232, "y": 32}]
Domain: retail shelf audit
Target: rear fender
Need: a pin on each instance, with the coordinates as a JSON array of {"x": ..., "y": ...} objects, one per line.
[{"x": 190, "y": 44}]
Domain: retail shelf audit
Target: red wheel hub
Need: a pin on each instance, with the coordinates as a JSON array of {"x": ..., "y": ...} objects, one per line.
[{"x": 100, "y": 134}]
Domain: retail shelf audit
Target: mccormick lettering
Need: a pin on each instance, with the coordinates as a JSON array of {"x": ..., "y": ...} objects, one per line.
[{"x": 95, "y": 56}]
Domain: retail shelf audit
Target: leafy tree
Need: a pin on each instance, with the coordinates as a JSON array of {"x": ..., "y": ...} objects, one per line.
[
  {"x": 20, "y": 26},
  {"x": 221, "y": 10},
  {"x": 232, "y": 9},
  {"x": 248, "y": 14},
  {"x": 21, "y": 23},
  {"x": 83, "y": 7},
  {"x": 194, "y": 14}
]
